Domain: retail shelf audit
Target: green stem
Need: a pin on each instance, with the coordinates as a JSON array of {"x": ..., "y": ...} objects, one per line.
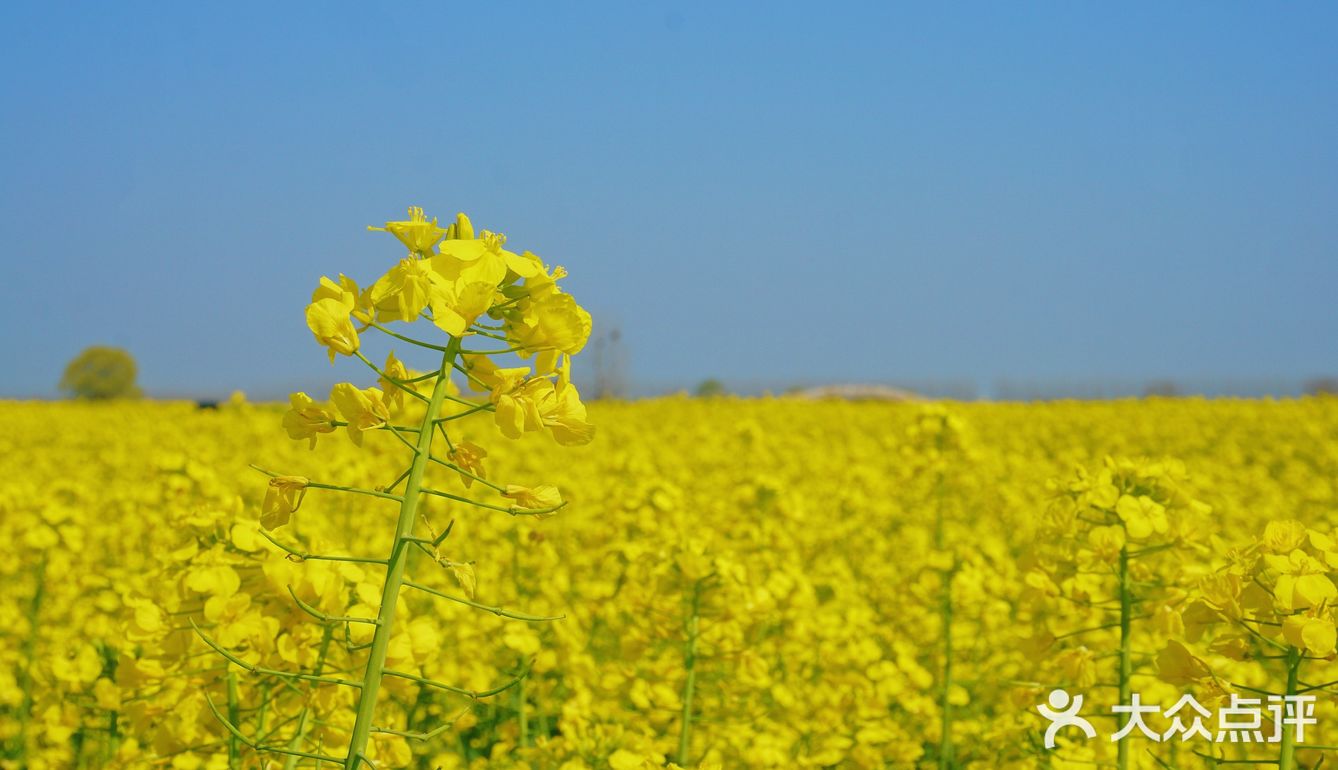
[
  {"x": 1126, "y": 658},
  {"x": 522, "y": 716},
  {"x": 945, "y": 707},
  {"x": 690, "y": 684},
  {"x": 304, "y": 719},
  {"x": 234, "y": 713},
  {"x": 1287, "y": 753},
  {"x": 945, "y": 611},
  {"x": 29, "y": 658},
  {"x": 376, "y": 661}
]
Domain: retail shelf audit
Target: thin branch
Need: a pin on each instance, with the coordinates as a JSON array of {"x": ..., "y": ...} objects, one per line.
[
  {"x": 328, "y": 619},
  {"x": 474, "y": 694},
  {"x": 231, "y": 728},
  {"x": 514, "y": 510},
  {"x": 392, "y": 380},
  {"x": 463, "y": 472},
  {"x": 303, "y": 556},
  {"x": 336, "y": 487},
  {"x": 499, "y": 611},
  {"x": 409, "y": 340},
  {"x": 254, "y": 669}
]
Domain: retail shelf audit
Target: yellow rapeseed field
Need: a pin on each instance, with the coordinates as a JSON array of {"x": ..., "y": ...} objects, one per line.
[
  {"x": 801, "y": 533},
  {"x": 446, "y": 571}
]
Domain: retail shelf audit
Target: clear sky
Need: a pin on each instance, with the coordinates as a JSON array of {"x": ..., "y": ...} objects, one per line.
[{"x": 760, "y": 192}]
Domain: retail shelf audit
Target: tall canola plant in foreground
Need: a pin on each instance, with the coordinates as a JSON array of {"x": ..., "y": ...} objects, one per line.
[{"x": 467, "y": 286}]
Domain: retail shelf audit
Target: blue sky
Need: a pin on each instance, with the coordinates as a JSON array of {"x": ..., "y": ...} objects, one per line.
[{"x": 764, "y": 193}]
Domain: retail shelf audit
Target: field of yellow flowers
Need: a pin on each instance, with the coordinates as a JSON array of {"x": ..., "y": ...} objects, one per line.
[
  {"x": 741, "y": 583},
  {"x": 445, "y": 570}
]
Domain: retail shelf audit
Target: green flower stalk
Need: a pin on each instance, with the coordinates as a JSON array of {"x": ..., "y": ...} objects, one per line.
[
  {"x": 449, "y": 280},
  {"x": 692, "y": 628}
]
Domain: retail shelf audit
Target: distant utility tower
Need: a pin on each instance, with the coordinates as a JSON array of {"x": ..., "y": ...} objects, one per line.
[{"x": 610, "y": 358}]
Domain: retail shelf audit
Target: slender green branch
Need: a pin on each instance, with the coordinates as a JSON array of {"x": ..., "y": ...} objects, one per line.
[
  {"x": 1308, "y": 688},
  {"x": 412, "y": 447},
  {"x": 1220, "y": 761},
  {"x": 304, "y": 556},
  {"x": 236, "y": 733},
  {"x": 473, "y": 694},
  {"x": 262, "y": 671},
  {"x": 512, "y": 349},
  {"x": 322, "y": 617},
  {"x": 344, "y": 424},
  {"x": 401, "y": 384},
  {"x": 409, "y": 340},
  {"x": 470, "y": 375},
  {"x": 474, "y": 409},
  {"x": 1255, "y": 690},
  {"x": 438, "y": 539},
  {"x": 396, "y": 482},
  {"x": 514, "y": 510},
  {"x": 499, "y": 611},
  {"x": 421, "y": 736},
  {"x": 336, "y": 487},
  {"x": 467, "y": 474}
]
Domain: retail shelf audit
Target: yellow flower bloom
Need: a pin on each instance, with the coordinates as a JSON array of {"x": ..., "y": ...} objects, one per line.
[
  {"x": 469, "y": 456},
  {"x": 80, "y": 665},
  {"x": 347, "y": 292},
  {"x": 282, "y": 498},
  {"x": 1176, "y": 665},
  {"x": 457, "y": 305},
  {"x": 1315, "y": 635},
  {"x": 417, "y": 233},
  {"x": 363, "y": 410},
  {"x": 474, "y": 259},
  {"x": 394, "y": 369},
  {"x": 405, "y": 290},
  {"x": 524, "y": 405},
  {"x": 1106, "y": 542},
  {"x": 1301, "y": 581},
  {"x": 1283, "y": 536},
  {"x": 306, "y": 420},
  {"x": 517, "y": 407},
  {"x": 565, "y": 417},
  {"x": 552, "y": 322},
  {"x": 537, "y": 498},
  {"x": 1142, "y": 516},
  {"x": 328, "y": 320}
]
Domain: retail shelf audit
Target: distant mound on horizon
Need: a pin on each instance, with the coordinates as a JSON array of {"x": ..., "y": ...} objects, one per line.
[{"x": 855, "y": 392}]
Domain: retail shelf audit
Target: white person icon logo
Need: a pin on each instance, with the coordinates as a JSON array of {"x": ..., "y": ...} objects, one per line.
[{"x": 1063, "y": 712}]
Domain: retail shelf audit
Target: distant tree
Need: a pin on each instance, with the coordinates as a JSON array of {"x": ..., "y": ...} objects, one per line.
[
  {"x": 710, "y": 388},
  {"x": 1161, "y": 388},
  {"x": 100, "y": 373},
  {"x": 1322, "y": 385}
]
